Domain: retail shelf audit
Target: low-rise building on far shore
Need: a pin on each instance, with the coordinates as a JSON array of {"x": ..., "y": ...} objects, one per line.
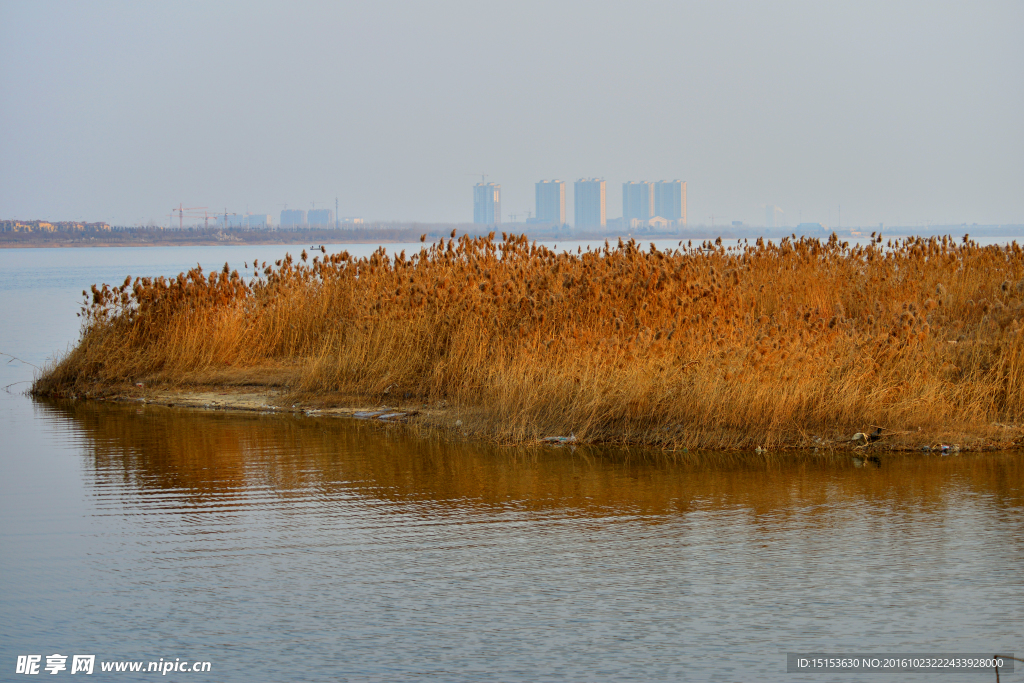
[
  {"x": 47, "y": 226},
  {"x": 231, "y": 221}
]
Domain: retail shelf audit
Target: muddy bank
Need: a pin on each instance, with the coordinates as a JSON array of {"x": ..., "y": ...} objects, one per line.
[{"x": 461, "y": 423}]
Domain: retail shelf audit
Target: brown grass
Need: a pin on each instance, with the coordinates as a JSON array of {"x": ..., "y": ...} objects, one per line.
[{"x": 701, "y": 346}]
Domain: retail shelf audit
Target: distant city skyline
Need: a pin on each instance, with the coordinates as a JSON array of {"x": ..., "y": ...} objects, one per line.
[{"x": 805, "y": 106}]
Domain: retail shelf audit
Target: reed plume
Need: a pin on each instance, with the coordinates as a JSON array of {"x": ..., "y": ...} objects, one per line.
[{"x": 700, "y": 346}]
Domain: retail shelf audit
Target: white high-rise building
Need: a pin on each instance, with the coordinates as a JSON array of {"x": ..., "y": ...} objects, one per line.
[
  {"x": 258, "y": 221},
  {"x": 487, "y": 204},
  {"x": 772, "y": 215},
  {"x": 550, "y": 196},
  {"x": 670, "y": 200},
  {"x": 320, "y": 218},
  {"x": 293, "y": 218},
  {"x": 589, "y": 201},
  {"x": 638, "y": 201}
]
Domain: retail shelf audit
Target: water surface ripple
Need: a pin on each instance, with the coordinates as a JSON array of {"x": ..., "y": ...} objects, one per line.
[
  {"x": 326, "y": 549},
  {"x": 294, "y": 548}
]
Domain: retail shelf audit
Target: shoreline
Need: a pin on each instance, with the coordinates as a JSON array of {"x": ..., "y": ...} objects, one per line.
[
  {"x": 196, "y": 243},
  {"x": 384, "y": 234},
  {"x": 460, "y": 422}
]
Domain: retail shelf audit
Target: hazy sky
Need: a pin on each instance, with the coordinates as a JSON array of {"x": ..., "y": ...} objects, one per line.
[{"x": 901, "y": 112}]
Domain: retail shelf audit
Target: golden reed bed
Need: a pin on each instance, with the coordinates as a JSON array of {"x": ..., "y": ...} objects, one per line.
[{"x": 700, "y": 347}]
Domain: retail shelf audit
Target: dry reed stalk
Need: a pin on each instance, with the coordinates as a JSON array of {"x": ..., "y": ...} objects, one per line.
[{"x": 702, "y": 346}]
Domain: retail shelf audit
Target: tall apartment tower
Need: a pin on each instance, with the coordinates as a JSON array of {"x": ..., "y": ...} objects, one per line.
[
  {"x": 589, "y": 200},
  {"x": 487, "y": 203},
  {"x": 320, "y": 218},
  {"x": 670, "y": 200},
  {"x": 256, "y": 221},
  {"x": 551, "y": 202},
  {"x": 293, "y": 218},
  {"x": 638, "y": 201}
]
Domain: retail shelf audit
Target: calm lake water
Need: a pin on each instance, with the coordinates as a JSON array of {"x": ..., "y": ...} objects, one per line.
[{"x": 288, "y": 548}]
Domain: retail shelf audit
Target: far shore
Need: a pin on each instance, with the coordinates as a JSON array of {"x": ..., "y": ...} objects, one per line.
[
  {"x": 403, "y": 233},
  {"x": 194, "y": 243},
  {"x": 205, "y": 238}
]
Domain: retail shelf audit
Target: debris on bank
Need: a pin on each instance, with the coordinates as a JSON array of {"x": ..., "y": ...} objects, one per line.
[
  {"x": 385, "y": 414},
  {"x": 860, "y": 439}
]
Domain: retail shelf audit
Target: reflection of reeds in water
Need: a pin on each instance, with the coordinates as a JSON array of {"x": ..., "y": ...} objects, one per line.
[
  {"x": 214, "y": 458},
  {"x": 695, "y": 347}
]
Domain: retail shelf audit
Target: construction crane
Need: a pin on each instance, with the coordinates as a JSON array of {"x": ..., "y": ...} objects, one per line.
[
  {"x": 206, "y": 220},
  {"x": 226, "y": 214},
  {"x": 181, "y": 213},
  {"x": 483, "y": 176}
]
